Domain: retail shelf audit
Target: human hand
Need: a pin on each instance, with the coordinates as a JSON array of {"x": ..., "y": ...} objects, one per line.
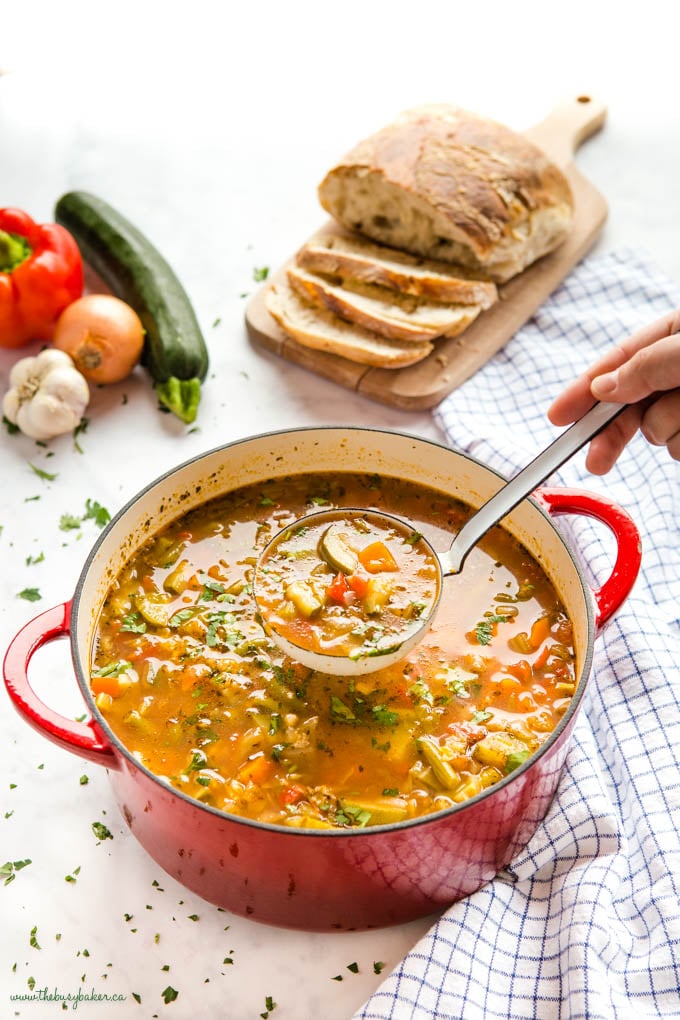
[{"x": 643, "y": 371}]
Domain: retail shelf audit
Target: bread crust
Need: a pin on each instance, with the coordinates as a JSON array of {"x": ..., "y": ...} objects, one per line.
[
  {"x": 324, "y": 331},
  {"x": 352, "y": 257},
  {"x": 445, "y": 183},
  {"x": 395, "y": 316}
]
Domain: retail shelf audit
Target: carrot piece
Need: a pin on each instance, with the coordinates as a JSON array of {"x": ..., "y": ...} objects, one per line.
[
  {"x": 376, "y": 558},
  {"x": 521, "y": 670},
  {"x": 540, "y": 630},
  {"x": 106, "y": 685},
  {"x": 257, "y": 770}
]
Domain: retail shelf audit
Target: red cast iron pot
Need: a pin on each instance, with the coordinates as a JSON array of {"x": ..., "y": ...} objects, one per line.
[{"x": 312, "y": 879}]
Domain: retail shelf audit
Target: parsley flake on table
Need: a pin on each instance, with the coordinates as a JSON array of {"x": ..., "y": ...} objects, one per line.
[
  {"x": 68, "y": 522},
  {"x": 169, "y": 994},
  {"x": 45, "y": 475},
  {"x": 34, "y": 938},
  {"x": 354, "y": 967},
  {"x": 94, "y": 511},
  {"x": 378, "y": 966},
  {"x": 9, "y": 870},
  {"x": 32, "y": 560},
  {"x": 100, "y": 831},
  {"x": 261, "y": 274},
  {"x": 30, "y": 594},
  {"x": 269, "y": 1007}
]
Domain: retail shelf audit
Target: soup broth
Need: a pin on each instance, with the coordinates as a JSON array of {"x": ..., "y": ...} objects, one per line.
[{"x": 191, "y": 684}]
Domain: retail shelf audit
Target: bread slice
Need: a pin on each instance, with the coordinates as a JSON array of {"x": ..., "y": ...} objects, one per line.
[
  {"x": 444, "y": 183},
  {"x": 352, "y": 257},
  {"x": 392, "y": 315},
  {"x": 325, "y": 331}
]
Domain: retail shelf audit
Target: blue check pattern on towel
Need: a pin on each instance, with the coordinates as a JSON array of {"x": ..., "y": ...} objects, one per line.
[{"x": 585, "y": 923}]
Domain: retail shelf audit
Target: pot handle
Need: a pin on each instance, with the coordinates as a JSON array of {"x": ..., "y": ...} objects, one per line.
[
  {"x": 617, "y": 587},
  {"x": 80, "y": 737}
]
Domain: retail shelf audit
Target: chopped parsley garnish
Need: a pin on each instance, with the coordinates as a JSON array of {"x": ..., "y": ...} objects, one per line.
[
  {"x": 112, "y": 669},
  {"x": 481, "y": 717},
  {"x": 384, "y": 716},
  {"x": 269, "y": 1006},
  {"x": 199, "y": 760},
  {"x": 45, "y": 475},
  {"x": 378, "y": 966},
  {"x": 33, "y": 939},
  {"x": 169, "y": 994},
  {"x": 68, "y": 522},
  {"x": 390, "y": 791},
  {"x": 30, "y": 594},
  {"x": 9, "y": 870},
  {"x": 133, "y": 623},
  {"x": 32, "y": 560},
  {"x": 100, "y": 831},
  {"x": 260, "y": 274},
  {"x": 339, "y": 710},
  {"x": 96, "y": 512},
  {"x": 354, "y": 967},
  {"x": 484, "y": 629},
  {"x": 10, "y": 426}
]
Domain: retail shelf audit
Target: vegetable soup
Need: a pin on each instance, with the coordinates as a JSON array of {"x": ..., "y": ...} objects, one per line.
[
  {"x": 191, "y": 684},
  {"x": 347, "y": 583}
]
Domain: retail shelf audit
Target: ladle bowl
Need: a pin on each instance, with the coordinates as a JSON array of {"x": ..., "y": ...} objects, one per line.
[{"x": 446, "y": 563}]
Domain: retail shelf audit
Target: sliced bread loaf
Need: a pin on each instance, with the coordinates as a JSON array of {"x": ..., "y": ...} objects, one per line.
[
  {"x": 324, "y": 331},
  {"x": 392, "y": 315},
  {"x": 352, "y": 257},
  {"x": 445, "y": 183}
]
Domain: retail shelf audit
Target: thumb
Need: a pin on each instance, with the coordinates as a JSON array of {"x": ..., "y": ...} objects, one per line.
[{"x": 650, "y": 370}]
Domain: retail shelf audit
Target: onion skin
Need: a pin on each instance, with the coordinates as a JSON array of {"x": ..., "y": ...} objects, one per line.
[{"x": 103, "y": 335}]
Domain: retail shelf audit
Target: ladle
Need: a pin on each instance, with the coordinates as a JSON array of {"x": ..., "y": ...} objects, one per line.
[{"x": 449, "y": 562}]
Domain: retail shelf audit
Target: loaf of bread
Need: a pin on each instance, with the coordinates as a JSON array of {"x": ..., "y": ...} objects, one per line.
[
  {"x": 324, "y": 331},
  {"x": 446, "y": 184},
  {"x": 350, "y": 256},
  {"x": 392, "y": 315}
]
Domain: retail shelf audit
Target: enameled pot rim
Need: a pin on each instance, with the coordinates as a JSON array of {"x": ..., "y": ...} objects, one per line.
[{"x": 358, "y": 833}]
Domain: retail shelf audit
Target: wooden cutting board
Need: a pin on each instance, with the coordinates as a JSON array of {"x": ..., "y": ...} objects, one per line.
[{"x": 426, "y": 383}]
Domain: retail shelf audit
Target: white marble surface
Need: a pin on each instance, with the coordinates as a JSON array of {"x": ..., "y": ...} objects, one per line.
[{"x": 210, "y": 126}]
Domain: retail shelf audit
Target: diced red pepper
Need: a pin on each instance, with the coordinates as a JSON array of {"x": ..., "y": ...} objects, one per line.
[
  {"x": 292, "y": 795},
  {"x": 338, "y": 589},
  {"x": 359, "y": 584}
]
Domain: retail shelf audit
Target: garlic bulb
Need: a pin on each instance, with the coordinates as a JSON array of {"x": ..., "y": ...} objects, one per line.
[{"x": 47, "y": 395}]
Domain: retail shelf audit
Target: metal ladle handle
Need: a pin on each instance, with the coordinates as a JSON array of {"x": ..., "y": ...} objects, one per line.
[{"x": 526, "y": 481}]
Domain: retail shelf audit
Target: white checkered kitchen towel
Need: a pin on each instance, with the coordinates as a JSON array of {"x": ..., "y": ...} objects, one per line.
[{"x": 585, "y": 923}]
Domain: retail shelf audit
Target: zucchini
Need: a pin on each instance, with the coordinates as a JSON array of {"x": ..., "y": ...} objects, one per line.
[
  {"x": 335, "y": 551},
  {"x": 175, "y": 352}
]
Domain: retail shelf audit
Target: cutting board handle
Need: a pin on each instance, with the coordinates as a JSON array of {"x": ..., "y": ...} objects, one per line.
[{"x": 568, "y": 126}]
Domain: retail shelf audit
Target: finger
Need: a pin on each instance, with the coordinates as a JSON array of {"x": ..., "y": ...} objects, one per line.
[
  {"x": 651, "y": 369},
  {"x": 673, "y": 446},
  {"x": 577, "y": 398},
  {"x": 661, "y": 421},
  {"x": 572, "y": 403},
  {"x": 608, "y": 445}
]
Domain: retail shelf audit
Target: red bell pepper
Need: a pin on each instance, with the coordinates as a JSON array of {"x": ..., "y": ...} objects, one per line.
[{"x": 41, "y": 272}]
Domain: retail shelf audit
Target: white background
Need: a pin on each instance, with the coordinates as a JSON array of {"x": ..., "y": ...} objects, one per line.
[{"x": 209, "y": 125}]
